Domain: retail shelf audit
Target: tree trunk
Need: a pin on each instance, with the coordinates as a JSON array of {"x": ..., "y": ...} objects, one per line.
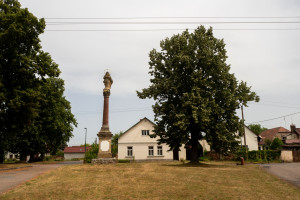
[
  {"x": 194, "y": 150},
  {"x": 175, "y": 155},
  {"x": 2, "y": 156},
  {"x": 42, "y": 156},
  {"x": 23, "y": 157}
]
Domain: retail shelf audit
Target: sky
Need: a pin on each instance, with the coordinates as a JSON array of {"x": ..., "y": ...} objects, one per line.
[{"x": 265, "y": 55}]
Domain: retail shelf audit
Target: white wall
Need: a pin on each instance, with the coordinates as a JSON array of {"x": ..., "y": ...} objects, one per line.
[
  {"x": 73, "y": 155},
  {"x": 140, "y": 143},
  {"x": 251, "y": 139}
]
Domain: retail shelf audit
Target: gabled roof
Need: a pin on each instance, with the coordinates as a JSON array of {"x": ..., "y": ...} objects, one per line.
[
  {"x": 76, "y": 149},
  {"x": 145, "y": 118},
  {"x": 270, "y": 133},
  {"x": 297, "y": 131}
]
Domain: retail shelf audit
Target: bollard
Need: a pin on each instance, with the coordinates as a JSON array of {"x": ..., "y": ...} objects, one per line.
[{"x": 242, "y": 161}]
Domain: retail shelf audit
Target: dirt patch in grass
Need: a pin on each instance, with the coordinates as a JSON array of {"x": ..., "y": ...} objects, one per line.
[{"x": 165, "y": 180}]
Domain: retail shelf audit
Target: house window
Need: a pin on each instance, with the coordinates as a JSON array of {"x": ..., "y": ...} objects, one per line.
[
  {"x": 129, "y": 151},
  {"x": 145, "y": 132},
  {"x": 159, "y": 150},
  {"x": 150, "y": 151},
  {"x": 284, "y": 138}
]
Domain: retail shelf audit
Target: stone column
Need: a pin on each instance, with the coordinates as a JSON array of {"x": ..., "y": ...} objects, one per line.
[{"x": 105, "y": 134}]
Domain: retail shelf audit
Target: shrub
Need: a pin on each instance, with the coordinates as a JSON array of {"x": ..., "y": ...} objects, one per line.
[
  {"x": 91, "y": 154},
  {"x": 276, "y": 144},
  {"x": 259, "y": 156},
  {"x": 123, "y": 161},
  {"x": 47, "y": 158},
  {"x": 204, "y": 158},
  {"x": 60, "y": 153}
]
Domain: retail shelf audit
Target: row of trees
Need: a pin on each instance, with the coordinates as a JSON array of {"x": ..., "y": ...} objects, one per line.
[{"x": 35, "y": 117}]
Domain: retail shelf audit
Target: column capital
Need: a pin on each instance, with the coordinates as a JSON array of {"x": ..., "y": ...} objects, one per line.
[{"x": 106, "y": 92}]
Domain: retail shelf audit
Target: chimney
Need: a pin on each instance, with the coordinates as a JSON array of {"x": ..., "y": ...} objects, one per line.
[{"x": 293, "y": 128}]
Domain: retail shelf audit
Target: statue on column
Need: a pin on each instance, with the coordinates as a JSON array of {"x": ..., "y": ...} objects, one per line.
[{"x": 105, "y": 134}]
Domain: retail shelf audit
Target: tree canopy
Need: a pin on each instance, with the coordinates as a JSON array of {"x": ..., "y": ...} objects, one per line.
[
  {"x": 196, "y": 95},
  {"x": 257, "y": 128},
  {"x": 35, "y": 117},
  {"x": 114, "y": 142},
  {"x": 276, "y": 144}
]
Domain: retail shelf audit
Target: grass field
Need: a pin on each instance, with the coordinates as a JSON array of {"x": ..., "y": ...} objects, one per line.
[{"x": 164, "y": 180}]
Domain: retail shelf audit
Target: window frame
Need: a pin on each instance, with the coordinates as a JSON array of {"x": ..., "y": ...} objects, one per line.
[
  {"x": 159, "y": 150},
  {"x": 129, "y": 149},
  {"x": 150, "y": 150},
  {"x": 145, "y": 132}
]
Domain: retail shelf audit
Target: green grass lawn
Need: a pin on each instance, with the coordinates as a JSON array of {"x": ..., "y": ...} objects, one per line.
[{"x": 163, "y": 180}]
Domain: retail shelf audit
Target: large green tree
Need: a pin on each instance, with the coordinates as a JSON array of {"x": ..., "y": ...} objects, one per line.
[
  {"x": 196, "y": 95},
  {"x": 257, "y": 128},
  {"x": 31, "y": 93}
]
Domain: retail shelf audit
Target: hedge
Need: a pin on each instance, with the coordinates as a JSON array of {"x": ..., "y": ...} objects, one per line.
[{"x": 260, "y": 155}]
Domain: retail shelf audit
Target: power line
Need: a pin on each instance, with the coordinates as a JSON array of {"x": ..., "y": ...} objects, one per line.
[
  {"x": 149, "y": 30},
  {"x": 205, "y": 17},
  {"x": 173, "y": 22},
  {"x": 274, "y": 118}
]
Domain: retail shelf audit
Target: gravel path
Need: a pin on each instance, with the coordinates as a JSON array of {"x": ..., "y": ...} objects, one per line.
[
  {"x": 12, "y": 178},
  {"x": 289, "y": 172}
]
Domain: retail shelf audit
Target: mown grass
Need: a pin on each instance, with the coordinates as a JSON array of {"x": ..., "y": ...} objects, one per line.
[{"x": 164, "y": 180}]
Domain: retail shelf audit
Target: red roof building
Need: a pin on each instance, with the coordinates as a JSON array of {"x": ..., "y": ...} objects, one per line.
[
  {"x": 75, "y": 152},
  {"x": 76, "y": 149},
  {"x": 289, "y": 137}
]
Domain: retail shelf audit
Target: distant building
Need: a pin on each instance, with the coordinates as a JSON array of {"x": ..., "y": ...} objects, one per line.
[
  {"x": 290, "y": 138},
  {"x": 75, "y": 152}
]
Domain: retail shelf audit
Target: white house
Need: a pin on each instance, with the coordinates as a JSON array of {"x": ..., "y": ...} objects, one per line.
[
  {"x": 251, "y": 139},
  {"x": 136, "y": 144}
]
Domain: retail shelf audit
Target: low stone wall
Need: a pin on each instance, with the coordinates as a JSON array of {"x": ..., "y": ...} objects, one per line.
[
  {"x": 104, "y": 161},
  {"x": 286, "y": 156}
]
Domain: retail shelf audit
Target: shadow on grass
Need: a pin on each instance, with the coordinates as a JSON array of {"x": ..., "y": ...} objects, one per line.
[{"x": 201, "y": 165}]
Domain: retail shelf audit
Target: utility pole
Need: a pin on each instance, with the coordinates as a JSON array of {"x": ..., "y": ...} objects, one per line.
[
  {"x": 244, "y": 129},
  {"x": 85, "y": 140}
]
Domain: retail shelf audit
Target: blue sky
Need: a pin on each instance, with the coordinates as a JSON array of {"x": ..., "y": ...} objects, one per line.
[{"x": 268, "y": 60}]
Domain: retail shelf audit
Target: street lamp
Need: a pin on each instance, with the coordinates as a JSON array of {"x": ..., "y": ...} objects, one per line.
[{"x": 85, "y": 139}]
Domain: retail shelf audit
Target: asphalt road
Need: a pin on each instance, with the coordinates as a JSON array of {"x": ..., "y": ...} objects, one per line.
[
  {"x": 289, "y": 172},
  {"x": 12, "y": 178}
]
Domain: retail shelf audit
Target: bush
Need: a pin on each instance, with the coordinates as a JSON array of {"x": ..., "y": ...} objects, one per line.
[
  {"x": 60, "y": 153},
  {"x": 123, "y": 161},
  {"x": 91, "y": 154},
  {"x": 204, "y": 158},
  {"x": 276, "y": 144},
  {"x": 47, "y": 158},
  {"x": 259, "y": 156}
]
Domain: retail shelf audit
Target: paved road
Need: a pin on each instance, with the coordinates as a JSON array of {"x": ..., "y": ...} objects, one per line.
[
  {"x": 286, "y": 171},
  {"x": 12, "y": 178}
]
